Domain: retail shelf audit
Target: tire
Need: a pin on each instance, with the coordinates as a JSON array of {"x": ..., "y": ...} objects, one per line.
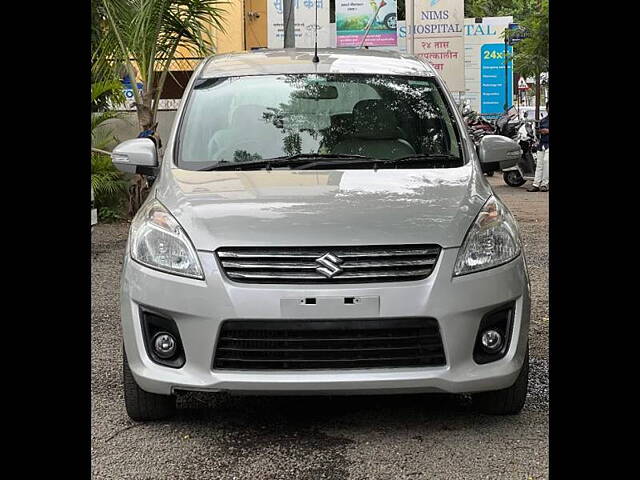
[
  {"x": 143, "y": 406},
  {"x": 391, "y": 21},
  {"x": 513, "y": 178},
  {"x": 508, "y": 401}
]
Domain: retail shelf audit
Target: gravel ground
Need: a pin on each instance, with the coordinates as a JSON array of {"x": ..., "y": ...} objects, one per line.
[{"x": 382, "y": 437}]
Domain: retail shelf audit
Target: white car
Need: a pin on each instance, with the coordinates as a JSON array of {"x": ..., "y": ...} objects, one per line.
[
  {"x": 388, "y": 14},
  {"x": 531, "y": 112},
  {"x": 322, "y": 228}
]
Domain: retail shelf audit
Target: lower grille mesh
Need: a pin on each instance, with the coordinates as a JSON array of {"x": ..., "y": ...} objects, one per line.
[{"x": 328, "y": 344}]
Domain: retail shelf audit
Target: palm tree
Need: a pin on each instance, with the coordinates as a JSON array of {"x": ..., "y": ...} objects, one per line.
[
  {"x": 532, "y": 58},
  {"x": 144, "y": 37},
  {"x": 107, "y": 182}
]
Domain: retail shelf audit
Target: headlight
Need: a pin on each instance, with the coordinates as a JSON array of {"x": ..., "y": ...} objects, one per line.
[
  {"x": 158, "y": 241},
  {"x": 491, "y": 241}
]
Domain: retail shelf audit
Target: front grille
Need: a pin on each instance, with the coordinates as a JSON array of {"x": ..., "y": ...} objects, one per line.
[
  {"x": 328, "y": 344},
  {"x": 328, "y": 265}
]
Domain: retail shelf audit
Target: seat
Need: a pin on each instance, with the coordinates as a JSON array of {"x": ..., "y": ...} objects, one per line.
[
  {"x": 375, "y": 133},
  {"x": 340, "y": 128}
]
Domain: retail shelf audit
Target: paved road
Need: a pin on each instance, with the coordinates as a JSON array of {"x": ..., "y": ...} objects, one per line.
[{"x": 387, "y": 437}]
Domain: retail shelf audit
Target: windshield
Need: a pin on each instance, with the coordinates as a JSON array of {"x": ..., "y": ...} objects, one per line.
[{"x": 252, "y": 118}]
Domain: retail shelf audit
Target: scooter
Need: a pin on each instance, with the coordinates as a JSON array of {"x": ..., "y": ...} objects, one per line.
[
  {"x": 525, "y": 169},
  {"x": 478, "y": 127}
]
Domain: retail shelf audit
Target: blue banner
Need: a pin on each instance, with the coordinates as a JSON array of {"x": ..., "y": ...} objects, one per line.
[
  {"x": 492, "y": 78},
  {"x": 128, "y": 89}
]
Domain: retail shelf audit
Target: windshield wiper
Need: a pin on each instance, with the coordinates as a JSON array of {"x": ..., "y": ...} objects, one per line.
[
  {"x": 434, "y": 160},
  {"x": 269, "y": 163},
  {"x": 427, "y": 156}
]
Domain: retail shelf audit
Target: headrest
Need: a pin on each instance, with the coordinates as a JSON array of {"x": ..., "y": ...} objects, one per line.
[
  {"x": 371, "y": 119},
  {"x": 342, "y": 122}
]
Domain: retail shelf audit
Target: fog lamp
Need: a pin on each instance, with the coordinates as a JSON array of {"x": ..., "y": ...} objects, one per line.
[
  {"x": 491, "y": 341},
  {"x": 164, "y": 345}
]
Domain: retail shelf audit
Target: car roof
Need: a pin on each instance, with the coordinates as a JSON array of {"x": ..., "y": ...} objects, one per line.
[{"x": 299, "y": 60}]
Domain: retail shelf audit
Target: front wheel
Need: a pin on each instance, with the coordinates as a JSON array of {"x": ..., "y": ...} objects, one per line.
[
  {"x": 143, "y": 406},
  {"x": 508, "y": 401},
  {"x": 513, "y": 178},
  {"x": 391, "y": 21}
]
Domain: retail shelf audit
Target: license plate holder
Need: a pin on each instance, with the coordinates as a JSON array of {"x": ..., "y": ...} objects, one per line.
[{"x": 330, "y": 307}]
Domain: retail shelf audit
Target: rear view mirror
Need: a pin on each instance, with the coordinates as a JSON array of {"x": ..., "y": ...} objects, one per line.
[
  {"x": 496, "y": 148},
  {"x": 131, "y": 154}
]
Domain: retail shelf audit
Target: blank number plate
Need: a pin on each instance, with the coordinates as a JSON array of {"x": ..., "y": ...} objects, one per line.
[{"x": 330, "y": 307}]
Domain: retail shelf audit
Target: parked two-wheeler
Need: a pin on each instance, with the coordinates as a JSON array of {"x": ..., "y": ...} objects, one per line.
[
  {"x": 478, "y": 127},
  {"x": 525, "y": 169}
]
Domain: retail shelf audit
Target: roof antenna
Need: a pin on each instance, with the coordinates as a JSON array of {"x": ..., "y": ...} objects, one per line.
[{"x": 315, "y": 52}]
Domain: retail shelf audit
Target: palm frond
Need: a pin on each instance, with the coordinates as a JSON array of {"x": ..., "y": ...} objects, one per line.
[
  {"x": 146, "y": 36},
  {"x": 109, "y": 185}
]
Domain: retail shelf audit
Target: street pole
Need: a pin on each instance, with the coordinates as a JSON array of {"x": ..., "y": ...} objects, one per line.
[
  {"x": 408, "y": 13},
  {"x": 369, "y": 25},
  {"x": 289, "y": 21},
  {"x": 506, "y": 75}
]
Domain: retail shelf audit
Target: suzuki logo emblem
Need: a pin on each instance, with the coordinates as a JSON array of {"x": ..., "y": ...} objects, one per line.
[{"x": 330, "y": 265}]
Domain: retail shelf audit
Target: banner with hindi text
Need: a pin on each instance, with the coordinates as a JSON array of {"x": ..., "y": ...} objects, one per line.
[{"x": 438, "y": 38}]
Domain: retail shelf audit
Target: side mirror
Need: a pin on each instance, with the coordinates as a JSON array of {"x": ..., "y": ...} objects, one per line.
[
  {"x": 138, "y": 155},
  {"x": 496, "y": 148}
]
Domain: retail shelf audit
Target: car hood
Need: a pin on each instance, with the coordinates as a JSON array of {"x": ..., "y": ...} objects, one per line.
[{"x": 324, "y": 207}]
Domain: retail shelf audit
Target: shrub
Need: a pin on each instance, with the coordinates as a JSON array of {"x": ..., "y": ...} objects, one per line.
[{"x": 109, "y": 188}]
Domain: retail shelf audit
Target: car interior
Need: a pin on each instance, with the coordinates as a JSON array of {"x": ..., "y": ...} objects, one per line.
[{"x": 353, "y": 118}]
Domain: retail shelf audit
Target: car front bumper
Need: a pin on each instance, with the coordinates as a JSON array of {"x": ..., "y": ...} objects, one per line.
[{"x": 199, "y": 307}]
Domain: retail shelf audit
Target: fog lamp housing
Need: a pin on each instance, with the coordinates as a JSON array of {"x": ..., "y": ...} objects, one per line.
[
  {"x": 162, "y": 339},
  {"x": 164, "y": 345},
  {"x": 491, "y": 340},
  {"x": 494, "y": 334}
]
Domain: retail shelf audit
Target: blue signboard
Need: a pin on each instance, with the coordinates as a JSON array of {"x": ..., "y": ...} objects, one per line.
[
  {"x": 492, "y": 78},
  {"x": 128, "y": 89}
]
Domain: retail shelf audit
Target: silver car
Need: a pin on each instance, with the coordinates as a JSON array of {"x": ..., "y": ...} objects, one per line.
[{"x": 321, "y": 228}]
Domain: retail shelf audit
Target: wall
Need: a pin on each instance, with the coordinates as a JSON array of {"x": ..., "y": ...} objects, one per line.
[
  {"x": 128, "y": 127},
  {"x": 233, "y": 39}
]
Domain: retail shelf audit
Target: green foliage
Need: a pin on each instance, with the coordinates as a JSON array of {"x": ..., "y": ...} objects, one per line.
[
  {"x": 109, "y": 215},
  {"x": 103, "y": 94},
  {"x": 106, "y": 94},
  {"x": 352, "y": 23},
  {"x": 532, "y": 53},
  {"x": 109, "y": 186},
  {"x": 142, "y": 37},
  {"x": 488, "y": 8}
]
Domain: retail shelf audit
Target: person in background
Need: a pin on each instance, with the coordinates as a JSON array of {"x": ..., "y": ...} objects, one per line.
[{"x": 541, "y": 179}]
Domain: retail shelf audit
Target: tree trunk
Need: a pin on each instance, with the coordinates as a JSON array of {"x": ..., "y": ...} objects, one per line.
[
  {"x": 139, "y": 187},
  {"x": 289, "y": 20},
  {"x": 146, "y": 117}
]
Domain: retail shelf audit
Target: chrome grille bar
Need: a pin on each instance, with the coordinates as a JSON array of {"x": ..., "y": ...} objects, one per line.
[
  {"x": 313, "y": 266},
  {"x": 354, "y": 264},
  {"x": 315, "y": 253}
]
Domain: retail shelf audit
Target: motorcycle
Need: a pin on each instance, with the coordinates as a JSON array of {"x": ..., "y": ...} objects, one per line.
[
  {"x": 525, "y": 169},
  {"x": 478, "y": 127}
]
